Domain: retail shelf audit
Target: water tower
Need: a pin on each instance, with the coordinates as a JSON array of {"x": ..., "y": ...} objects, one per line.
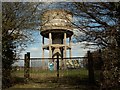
[{"x": 57, "y": 27}]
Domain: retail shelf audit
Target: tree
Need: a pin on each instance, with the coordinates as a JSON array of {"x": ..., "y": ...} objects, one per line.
[
  {"x": 101, "y": 24},
  {"x": 17, "y": 19}
]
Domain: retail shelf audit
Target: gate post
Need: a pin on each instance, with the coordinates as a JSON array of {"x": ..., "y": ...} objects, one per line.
[
  {"x": 27, "y": 66},
  {"x": 57, "y": 65},
  {"x": 90, "y": 67},
  {"x": 101, "y": 69},
  {"x": 100, "y": 58}
]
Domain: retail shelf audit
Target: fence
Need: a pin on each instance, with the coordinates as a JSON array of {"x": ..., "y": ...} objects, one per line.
[{"x": 37, "y": 70}]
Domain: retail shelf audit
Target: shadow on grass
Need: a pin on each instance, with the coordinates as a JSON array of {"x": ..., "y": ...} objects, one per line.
[
  {"x": 72, "y": 79},
  {"x": 19, "y": 80},
  {"x": 68, "y": 82}
]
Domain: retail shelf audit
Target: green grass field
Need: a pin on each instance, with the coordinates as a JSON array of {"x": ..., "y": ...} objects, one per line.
[{"x": 74, "y": 79}]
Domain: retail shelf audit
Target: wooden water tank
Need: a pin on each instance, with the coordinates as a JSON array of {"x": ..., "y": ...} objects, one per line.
[{"x": 56, "y": 21}]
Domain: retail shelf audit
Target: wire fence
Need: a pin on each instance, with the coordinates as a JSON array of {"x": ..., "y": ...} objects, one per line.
[
  {"x": 46, "y": 68},
  {"x": 59, "y": 71}
]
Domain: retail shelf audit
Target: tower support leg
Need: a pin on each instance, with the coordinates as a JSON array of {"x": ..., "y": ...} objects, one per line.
[
  {"x": 50, "y": 49},
  {"x": 70, "y": 47},
  {"x": 65, "y": 48},
  {"x": 43, "y": 63}
]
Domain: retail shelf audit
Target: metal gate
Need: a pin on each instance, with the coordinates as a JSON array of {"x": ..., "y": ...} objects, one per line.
[{"x": 53, "y": 74}]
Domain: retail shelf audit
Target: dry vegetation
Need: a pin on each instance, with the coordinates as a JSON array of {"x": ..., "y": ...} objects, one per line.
[{"x": 74, "y": 79}]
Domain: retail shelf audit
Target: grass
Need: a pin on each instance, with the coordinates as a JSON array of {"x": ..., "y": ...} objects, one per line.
[{"x": 74, "y": 78}]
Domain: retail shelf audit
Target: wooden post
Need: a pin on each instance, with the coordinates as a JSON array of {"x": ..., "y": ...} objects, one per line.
[
  {"x": 27, "y": 67},
  {"x": 58, "y": 65},
  {"x": 65, "y": 49},
  {"x": 43, "y": 62},
  {"x": 50, "y": 48},
  {"x": 100, "y": 59},
  {"x": 70, "y": 47},
  {"x": 25, "y": 59},
  {"x": 28, "y": 64},
  {"x": 101, "y": 69},
  {"x": 90, "y": 68}
]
